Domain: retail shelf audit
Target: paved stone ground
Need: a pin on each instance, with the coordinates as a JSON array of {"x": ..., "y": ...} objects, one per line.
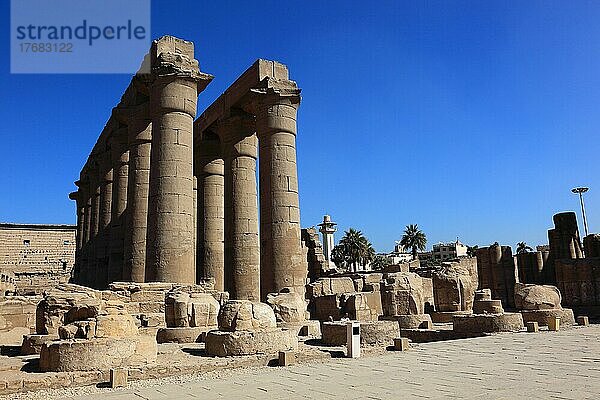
[{"x": 548, "y": 365}]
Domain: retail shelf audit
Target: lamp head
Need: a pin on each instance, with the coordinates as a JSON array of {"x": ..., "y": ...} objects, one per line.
[{"x": 580, "y": 190}]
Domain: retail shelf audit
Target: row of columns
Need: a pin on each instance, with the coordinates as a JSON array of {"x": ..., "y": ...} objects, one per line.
[
  {"x": 151, "y": 208},
  {"x": 228, "y": 237},
  {"x": 135, "y": 202}
]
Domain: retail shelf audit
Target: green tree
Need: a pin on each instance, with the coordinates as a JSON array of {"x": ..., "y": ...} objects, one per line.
[
  {"x": 379, "y": 262},
  {"x": 413, "y": 239},
  {"x": 353, "y": 249},
  {"x": 472, "y": 251},
  {"x": 523, "y": 247}
]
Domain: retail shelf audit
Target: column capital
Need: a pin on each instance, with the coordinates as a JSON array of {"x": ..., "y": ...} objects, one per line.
[
  {"x": 275, "y": 108},
  {"x": 273, "y": 92}
]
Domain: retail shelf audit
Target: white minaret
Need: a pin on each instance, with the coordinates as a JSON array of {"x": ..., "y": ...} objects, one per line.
[{"x": 327, "y": 229}]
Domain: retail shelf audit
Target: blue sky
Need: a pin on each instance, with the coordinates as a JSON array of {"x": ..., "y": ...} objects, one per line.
[{"x": 472, "y": 119}]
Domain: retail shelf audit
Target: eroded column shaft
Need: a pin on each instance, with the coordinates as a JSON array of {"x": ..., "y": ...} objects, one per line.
[
  {"x": 282, "y": 264},
  {"x": 242, "y": 247},
  {"x": 104, "y": 218},
  {"x": 140, "y": 134},
  {"x": 120, "y": 157},
  {"x": 92, "y": 263},
  {"x": 211, "y": 225},
  {"x": 170, "y": 246}
]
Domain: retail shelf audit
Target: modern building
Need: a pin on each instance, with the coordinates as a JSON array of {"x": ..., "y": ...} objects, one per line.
[
  {"x": 449, "y": 251},
  {"x": 399, "y": 255}
]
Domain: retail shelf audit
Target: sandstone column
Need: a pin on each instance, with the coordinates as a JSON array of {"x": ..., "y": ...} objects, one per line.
[
  {"x": 80, "y": 208},
  {"x": 80, "y": 200},
  {"x": 104, "y": 216},
  {"x": 87, "y": 228},
  {"x": 282, "y": 263},
  {"x": 195, "y": 217},
  {"x": 139, "y": 131},
  {"x": 242, "y": 248},
  {"x": 90, "y": 271},
  {"x": 211, "y": 214},
  {"x": 173, "y": 96},
  {"x": 120, "y": 160}
]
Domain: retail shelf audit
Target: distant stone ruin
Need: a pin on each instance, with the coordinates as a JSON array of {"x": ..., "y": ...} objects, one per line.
[{"x": 35, "y": 257}]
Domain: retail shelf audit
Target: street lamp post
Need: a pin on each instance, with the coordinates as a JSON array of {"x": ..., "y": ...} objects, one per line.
[{"x": 580, "y": 191}]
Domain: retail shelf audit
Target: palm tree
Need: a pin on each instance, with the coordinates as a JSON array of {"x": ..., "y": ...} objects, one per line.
[
  {"x": 472, "y": 251},
  {"x": 523, "y": 248},
  {"x": 353, "y": 249},
  {"x": 413, "y": 239}
]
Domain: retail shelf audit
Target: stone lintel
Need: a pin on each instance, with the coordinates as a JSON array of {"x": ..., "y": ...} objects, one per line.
[{"x": 236, "y": 95}]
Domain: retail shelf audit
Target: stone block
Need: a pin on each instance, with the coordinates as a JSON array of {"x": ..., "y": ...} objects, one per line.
[
  {"x": 118, "y": 377},
  {"x": 401, "y": 344},
  {"x": 148, "y": 296},
  {"x": 583, "y": 320},
  {"x": 446, "y": 317},
  {"x": 116, "y": 326},
  {"x": 378, "y": 332},
  {"x": 325, "y": 307},
  {"x": 152, "y": 308},
  {"x": 532, "y": 326},
  {"x": 454, "y": 286},
  {"x": 553, "y": 323},
  {"x": 240, "y": 343},
  {"x": 288, "y": 307},
  {"x": 371, "y": 332},
  {"x": 364, "y": 306},
  {"x": 182, "y": 334},
  {"x": 488, "y": 323},
  {"x": 536, "y": 297},
  {"x": 287, "y": 358},
  {"x": 310, "y": 328},
  {"x": 97, "y": 354},
  {"x": 32, "y": 344},
  {"x": 487, "y": 307},
  {"x": 244, "y": 315},
  {"x": 483, "y": 294},
  {"x": 329, "y": 286},
  {"x": 52, "y": 309},
  {"x": 402, "y": 294},
  {"x": 420, "y": 321},
  {"x": 204, "y": 310},
  {"x": 153, "y": 320},
  {"x": 565, "y": 315}
]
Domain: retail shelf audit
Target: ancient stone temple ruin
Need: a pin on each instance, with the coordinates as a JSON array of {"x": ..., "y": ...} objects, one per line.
[
  {"x": 185, "y": 255},
  {"x": 166, "y": 198}
]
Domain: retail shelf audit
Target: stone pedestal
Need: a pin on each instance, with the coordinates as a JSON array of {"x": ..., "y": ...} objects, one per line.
[
  {"x": 97, "y": 354},
  {"x": 541, "y": 316},
  {"x": 183, "y": 335},
  {"x": 417, "y": 321},
  {"x": 488, "y": 323},
  {"x": 243, "y": 343},
  {"x": 446, "y": 317}
]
